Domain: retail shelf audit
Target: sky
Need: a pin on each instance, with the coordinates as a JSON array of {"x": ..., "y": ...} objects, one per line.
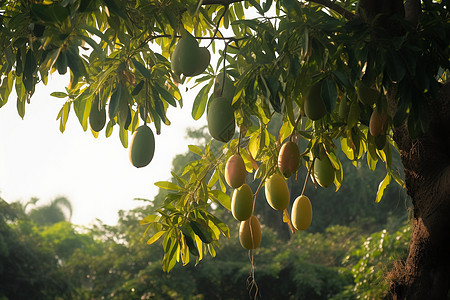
[{"x": 95, "y": 174}]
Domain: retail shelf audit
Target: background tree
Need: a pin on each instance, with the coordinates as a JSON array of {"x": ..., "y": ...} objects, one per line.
[
  {"x": 396, "y": 51},
  {"x": 58, "y": 210}
]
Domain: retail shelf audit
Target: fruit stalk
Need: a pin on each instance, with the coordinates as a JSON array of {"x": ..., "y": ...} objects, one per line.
[
  {"x": 289, "y": 222},
  {"x": 307, "y": 176}
]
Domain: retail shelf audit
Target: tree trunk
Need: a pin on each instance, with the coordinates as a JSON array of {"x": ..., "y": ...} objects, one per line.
[{"x": 426, "y": 272}]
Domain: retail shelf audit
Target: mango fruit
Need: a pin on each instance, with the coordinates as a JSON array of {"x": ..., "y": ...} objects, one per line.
[
  {"x": 188, "y": 58},
  {"x": 324, "y": 171},
  {"x": 235, "y": 171},
  {"x": 377, "y": 123},
  {"x": 250, "y": 233},
  {"x": 224, "y": 88},
  {"x": 366, "y": 94},
  {"x": 301, "y": 213},
  {"x": 242, "y": 202},
  {"x": 277, "y": 192},
  {"x": 289, "y": 159},
  {"x": 142, "y": 146},
  {"x": 314, "y": 105},
  {"x": 185, "y": 56},
  {"x": 220, "y": 119},
  {"x": 97, "y": 115},
  {"x": 203, "y": 61}
]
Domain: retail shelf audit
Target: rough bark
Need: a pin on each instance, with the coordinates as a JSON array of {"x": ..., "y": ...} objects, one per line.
[{"x": 426, "y": 272}]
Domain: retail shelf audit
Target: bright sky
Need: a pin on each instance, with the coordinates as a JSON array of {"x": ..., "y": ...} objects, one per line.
[{"x": 37, "y": 160}]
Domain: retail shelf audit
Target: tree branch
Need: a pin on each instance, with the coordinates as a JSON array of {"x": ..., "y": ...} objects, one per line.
[{"x": 337, "y": 8}]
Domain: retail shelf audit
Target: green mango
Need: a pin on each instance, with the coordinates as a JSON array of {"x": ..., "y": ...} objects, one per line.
[
  {"x": 223, "y": 88},
  {"x": 142, "y": 146},
  {"x": 242, "y": 202},
  {"x": 204, "y": 58},
  {"x": 220, "y": 119},
  {"x": 186, "y": 56},
  {"x": 97, "y": 115},
  {"x": 314, "y": 105},
  {"x": 250, "y": 233},
  {"x": 366, "y": 94},
  {"x": 324, "y": 172}
]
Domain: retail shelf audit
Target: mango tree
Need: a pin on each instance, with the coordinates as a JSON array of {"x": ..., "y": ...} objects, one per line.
[{"x": 367, "y": 77}]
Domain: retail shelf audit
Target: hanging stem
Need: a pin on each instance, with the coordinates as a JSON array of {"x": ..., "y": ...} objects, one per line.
[
  {"x": 239, "y": 141},
  {"x": 289, "y": 222},
  {"x": 259, "y": 188},
  {"x": 307, "y": 176},
  {"x": 224, "y": 68}
]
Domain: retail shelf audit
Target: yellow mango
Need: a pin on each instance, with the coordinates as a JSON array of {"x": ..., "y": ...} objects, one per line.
[
  {"x": 250, "y": 233},
  {"x": 242, "y": 203},
  {"x": 277, "y": 192},
  {"x": 301, "y": 214}
]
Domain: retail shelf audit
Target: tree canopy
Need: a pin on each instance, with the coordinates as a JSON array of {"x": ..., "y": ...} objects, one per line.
[{"x": 362, "y": 77}]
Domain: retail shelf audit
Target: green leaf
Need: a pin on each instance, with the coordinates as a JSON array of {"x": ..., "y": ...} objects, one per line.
[
  {"x": 28, "y": 71},
  {"x": 5, "y": 89},
  {"x": 198, "y": 108},
  {"x": 115, "y": 9},
  {"x": 109, "y": 128},
  {"x": 222, "y": 198},
  {"x": 63, "y": 116},
  {"x": 156, "y": 237},
  {"x": 201, "y": 232},
  {"x": 141, "y": 68},
  {"x": 82, "y": 108},
  {"x": 59, "y": 95},
  {"x": 190, "y": 242},
  {"x": 96, "y": 47},
  {"x": 221, "y": 225},
  {"x": 383, "y": 185},
  {"x": 394, "y": 66},
  {"x": 98, "y": 33},
  {"x": 167, "y": 185},
  {"x": 138, "y": 88},
  {"x": 123, "y": 135},
  {"x": 196, "y": 150},
  {"x": 149, "y": 219},
  {"x": 166, "y": 96},
  {"x": 114, "y": 101}
]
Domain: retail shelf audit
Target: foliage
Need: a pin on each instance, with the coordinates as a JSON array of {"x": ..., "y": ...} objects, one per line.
[
  {"x": 28, "y": 266},
  {"x": 120, "y": 53},
  {"x": 370, "y": 262}
]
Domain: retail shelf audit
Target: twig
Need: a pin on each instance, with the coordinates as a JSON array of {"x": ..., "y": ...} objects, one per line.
[{"x": 218, "y": 24}]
